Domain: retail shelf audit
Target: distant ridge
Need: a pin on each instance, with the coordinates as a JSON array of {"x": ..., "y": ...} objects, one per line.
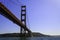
[{"x": 34, "y": 34}]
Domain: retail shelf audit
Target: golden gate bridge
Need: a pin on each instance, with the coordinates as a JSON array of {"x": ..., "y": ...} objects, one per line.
[{"x": 21, "y": 23}]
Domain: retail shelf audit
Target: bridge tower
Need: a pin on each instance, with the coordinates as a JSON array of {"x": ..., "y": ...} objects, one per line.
[{"x": 23, "y": 18}]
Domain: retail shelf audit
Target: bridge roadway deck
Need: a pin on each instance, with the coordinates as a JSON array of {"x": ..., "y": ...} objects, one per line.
[{"x": 8, "y": 14}]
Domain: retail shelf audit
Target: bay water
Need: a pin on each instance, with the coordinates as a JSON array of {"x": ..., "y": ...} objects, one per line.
[{"x": 30, "y": 38}]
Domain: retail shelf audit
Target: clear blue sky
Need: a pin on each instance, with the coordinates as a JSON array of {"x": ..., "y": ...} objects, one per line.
[{"x": 42, "y": 16}]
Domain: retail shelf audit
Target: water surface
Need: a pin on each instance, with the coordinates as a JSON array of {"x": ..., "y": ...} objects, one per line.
[{"x": 30, "y": 38}]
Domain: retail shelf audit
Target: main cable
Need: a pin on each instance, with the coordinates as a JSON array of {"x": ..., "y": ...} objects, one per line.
[{"x": 28, "y": 23}]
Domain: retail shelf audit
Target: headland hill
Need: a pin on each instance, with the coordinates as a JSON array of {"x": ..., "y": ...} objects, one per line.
[{"x": 34, "y": 34}]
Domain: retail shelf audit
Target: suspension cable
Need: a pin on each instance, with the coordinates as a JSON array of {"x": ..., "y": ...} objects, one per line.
[{"x": 28, "y": 23}]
